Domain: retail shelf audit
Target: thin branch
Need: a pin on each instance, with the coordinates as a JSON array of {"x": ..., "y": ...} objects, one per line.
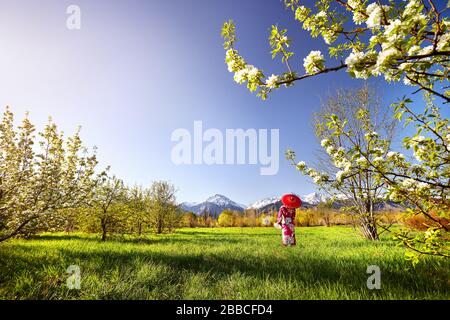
[
  {"x": 326, "y": 70},
  {"x": 447, "y": 99}
]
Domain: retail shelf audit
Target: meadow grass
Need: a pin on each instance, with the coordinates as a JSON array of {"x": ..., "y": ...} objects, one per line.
[{"x": 219, "y": 263}]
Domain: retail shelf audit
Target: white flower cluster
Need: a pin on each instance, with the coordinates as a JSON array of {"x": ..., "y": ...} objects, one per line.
[
  {"x": 330, "y": 150},
  {"x": 378, "y": 151},
  {"x": 249, "y": 73},
  {"x": 394, "y": 155},
  {"x": 301, "y": 165},
  {"x": 314, "y": 62},
  {"x": 339, "y": 159},
  {"x": 343, "y": 163},
  {"x": 385, "y": 59},
  {"x": 234, "y": 61},
  {"x": 447, "y": 138},
  {"x": 311, "y": 22},
  {"x": 359, "y": 63},
  {"x": 412, "y": 8},
  {"x": 316, "y": 176},
  {"x": 301, "y": 13},
  {"x": 420, "y": 153},
  {"x": 420, "y": 147},
  {"x": 340, "y": 175},
  {"x": 330, "y": 36},
  {"x": 411, "y": 184},
  {"x": 358, "y": 11},
  {"x": 272, "y": 81},
  {"x": 417, "y": 139},
  {"x": 354, "y": 58},
  {"x": 362, "y": 161},
  {"x": 354, "y": 3},
  {"x": 375, "y": 13},
  {"x": 391, "y": 34},
  {"x": 325, "y": 142},
  {"x": 358, "y": 17},
  {"x": 378, "y": 160},
  {"x": 444, "y": 42},
  {"x": 393, "y": 31},
  {"x": 242, "y": 72}
]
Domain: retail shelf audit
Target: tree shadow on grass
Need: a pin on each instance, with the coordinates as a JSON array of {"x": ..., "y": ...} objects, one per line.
[
  {"x": 160, "y": 239},
  {"x": 311, "y": 269},
  {"x": 96, "y": 238},
  {"x": 296, "y": 266},
  {"x": 219, "y": 233}
]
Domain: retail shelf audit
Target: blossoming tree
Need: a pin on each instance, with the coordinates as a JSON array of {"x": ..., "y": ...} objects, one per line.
[
  {"x": 405, "y": 41},
  {"x": 107, "y": 205},
  {"x": 338, "y": 173},
  {"x": 36, "y": 181}
]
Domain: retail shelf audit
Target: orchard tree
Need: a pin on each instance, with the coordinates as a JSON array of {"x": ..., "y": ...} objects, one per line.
[
  {"x": 137, "y": 202},
  {"x": 405, "y": 41},
  {"x": 163, "y": 213},
  {"x": 190, "y": 220},
  {"x": 360, "y": 113},
  {"x": 108, "y": 205},
  {"x": 40, "y": 176},
  {"x": 423, "y": 183}
]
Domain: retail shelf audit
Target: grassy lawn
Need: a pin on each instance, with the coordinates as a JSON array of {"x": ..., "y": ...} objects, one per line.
[{"x": 231, "y": 263}]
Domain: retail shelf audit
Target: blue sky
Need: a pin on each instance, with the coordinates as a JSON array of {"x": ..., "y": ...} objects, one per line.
[{"x": 138, "y": 70}]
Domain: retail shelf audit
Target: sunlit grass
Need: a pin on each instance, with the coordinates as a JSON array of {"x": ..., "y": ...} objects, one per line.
[{"x": 222, "y": 263}]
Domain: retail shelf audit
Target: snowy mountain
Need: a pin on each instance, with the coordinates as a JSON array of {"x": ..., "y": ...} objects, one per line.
[
  {"x": 274, "y": 203},
  {"x": 267, "y": 204},
  {"x": 213, "y": 205},
  {"x": 216, "y": 204},
  {"x": 264, "y": 202},
  {"x": 314, "y": 198}
]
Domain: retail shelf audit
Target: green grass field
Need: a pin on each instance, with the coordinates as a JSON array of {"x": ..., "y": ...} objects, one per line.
[{"x": 231, "y": 263}]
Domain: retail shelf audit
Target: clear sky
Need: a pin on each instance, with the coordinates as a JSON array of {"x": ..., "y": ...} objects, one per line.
[{"x": 138, "y": 70}]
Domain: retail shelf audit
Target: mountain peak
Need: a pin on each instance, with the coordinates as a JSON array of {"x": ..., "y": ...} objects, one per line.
[
  {"x": 314, "y": 198},
  {"x": 217, "y": 197},
  {"x": 311, "y": 199},
  {"x": 265, "y": 202},
  {"x": 213, "y": 205}
]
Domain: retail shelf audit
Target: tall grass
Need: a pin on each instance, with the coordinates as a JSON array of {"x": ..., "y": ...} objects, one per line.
[{"x": 220, "y": 263}]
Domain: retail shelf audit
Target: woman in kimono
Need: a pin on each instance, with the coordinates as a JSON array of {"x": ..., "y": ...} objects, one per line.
[{"x": 286, "y": 218}]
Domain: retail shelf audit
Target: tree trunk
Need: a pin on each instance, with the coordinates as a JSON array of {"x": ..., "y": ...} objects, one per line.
[
  {"x": 159, "y": 228},
  {"x": 103, "y": 230},
  {"x": 327, "y": 219},
  {"x": 369, "y": 228},
  {"x": 159, "y": 225}
]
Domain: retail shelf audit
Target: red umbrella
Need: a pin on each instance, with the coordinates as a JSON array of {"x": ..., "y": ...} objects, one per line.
[{"x": 291, "y": 201}]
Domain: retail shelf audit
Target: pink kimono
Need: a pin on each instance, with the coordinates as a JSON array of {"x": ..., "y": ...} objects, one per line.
[{"x": 288, "y": 227}]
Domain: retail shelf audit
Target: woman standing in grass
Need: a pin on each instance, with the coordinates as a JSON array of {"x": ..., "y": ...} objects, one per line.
[{"x": 286, "y": 218}]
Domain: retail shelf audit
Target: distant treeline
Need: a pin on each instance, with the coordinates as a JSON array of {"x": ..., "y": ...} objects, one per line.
[{"x": 304, "y": 218}]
